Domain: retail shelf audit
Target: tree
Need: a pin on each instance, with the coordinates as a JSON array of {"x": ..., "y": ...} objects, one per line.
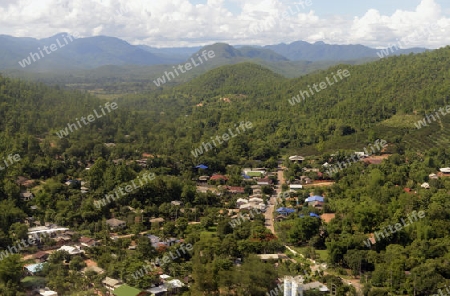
[
  {"x": 354, "y": 259},
  {"x": 304, "y": 229},
  {"x": 11, "y": 269},
  {"x": 206, "y": 222},
  {"x": 182, "y": 224},
  {"x": 18, "y": 231}
]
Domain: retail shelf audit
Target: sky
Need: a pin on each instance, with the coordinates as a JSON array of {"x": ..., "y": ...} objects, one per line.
[{"x": 177, "y": 23}]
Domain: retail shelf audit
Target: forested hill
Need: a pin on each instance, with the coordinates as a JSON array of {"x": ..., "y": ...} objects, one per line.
[
  {"x": 400, "y": 89},
  {"x": 382, "y": 99}
]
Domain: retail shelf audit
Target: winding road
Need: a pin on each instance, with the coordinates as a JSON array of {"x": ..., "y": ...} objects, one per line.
[{"x": 269, "y": 215}]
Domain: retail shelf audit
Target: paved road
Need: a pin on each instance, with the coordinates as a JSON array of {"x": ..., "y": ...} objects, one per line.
[
  {"x": 269, "y": 214},
  {"x": 269, "y": 224}
]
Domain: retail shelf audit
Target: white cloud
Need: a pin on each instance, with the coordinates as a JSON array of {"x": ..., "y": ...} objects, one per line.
[{"x": 180, "y": 23}]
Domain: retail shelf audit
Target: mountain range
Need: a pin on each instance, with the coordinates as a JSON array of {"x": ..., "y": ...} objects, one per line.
[{"x": 28, "y": 54}]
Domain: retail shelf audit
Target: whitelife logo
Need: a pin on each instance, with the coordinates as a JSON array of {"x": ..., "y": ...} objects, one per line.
[
  {"x": 17, "y": 247},
  {"x": 379, "y": 145},
  {"x": 65, "y": 132},
  {"x": 423, "y": 122},
  {"x": 323, "y": 85},
  {"x": 165, "y": 259},
  {"x": 48, "y": 50},
  {"x": 10, "y": 160},
  {"x": 397, "y": 227},
  {"x": 188, "y": 66},
  {"x": 147, "y": 177},
  {"x": 226, "y": 137}
]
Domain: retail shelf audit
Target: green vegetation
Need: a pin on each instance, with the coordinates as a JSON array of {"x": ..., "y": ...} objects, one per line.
[{"x": 380, "y": 100}]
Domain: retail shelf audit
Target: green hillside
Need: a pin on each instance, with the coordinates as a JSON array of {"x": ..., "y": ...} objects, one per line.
[{"x": 379, "y": 100}]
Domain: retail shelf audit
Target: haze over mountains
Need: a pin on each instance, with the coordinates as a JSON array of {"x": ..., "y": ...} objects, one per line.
[{"x": 94, "y": 52}]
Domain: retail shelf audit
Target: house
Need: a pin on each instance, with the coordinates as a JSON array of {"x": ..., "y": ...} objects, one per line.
[
  {"x": 47, "y": 292},
  {"x": 41, "y": 256},
  {"x": 115, "y": 223},
  {"x": 425, "y": 185},
  {"x": 315, "y": 286},
  {"x": 315, "y": 198},
  {"x": 241, "y": 201},
  {"x": 26, "y": 196},
  {"x": 256, "y": 200},
  {"x": 255, "y": 195},
  {"x": 157, "y": 242},
  {"x": 235, "y": 189},
  {"x": 445, "y": 171},
  {"x": 285, "y": 211},
  {"x": 264, "y": 181},
  {"x": 158, "y": 290},
  {"x": 71, "y": 250},
  {"x": 33, "y": 268},
  {"x": 74, "y": 182},
  {"x": 203, "y": 179},
  {"x": 84, "y": 190},
  {"x": 62, "y": 240},
  {"x": 87, "y": 242},
  {"x": 96, "y": 269},
  {"x": 272, "y": 257},
  {"x": 175, "y": 284},
  {"x": 126, "y": 290},
  {"x": 254, "y": 203},
  {"x": 176, "y": 203},
  {"x": 111, "y": 284},
  {"x": 306, "y": 179},
  {"x": 142, "y": 162},
  {"x": 433, "y": 176},
  {"x": 157, "y": 220},
  {"x": 296, "y": 158},
  {"x": 295, "y": 186},
  {"x": 218, "y": 178}
]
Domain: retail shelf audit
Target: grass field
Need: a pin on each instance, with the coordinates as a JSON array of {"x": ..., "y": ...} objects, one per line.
[
  {"x": 402, "y": 120},
  {"x": 322, "y": 254}
]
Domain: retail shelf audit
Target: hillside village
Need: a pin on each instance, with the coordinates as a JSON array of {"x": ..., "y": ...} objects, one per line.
[{"x": 262, "y": 192}]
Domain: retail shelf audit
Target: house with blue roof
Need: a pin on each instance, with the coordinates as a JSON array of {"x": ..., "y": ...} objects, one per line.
[
  {"x": 34, "y": 268},
  {"x": 285, "y": 211},
  {"x": 315, "y": 201}
]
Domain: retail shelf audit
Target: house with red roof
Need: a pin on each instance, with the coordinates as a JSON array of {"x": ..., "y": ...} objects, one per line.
[{"x": 218, "y": 177}]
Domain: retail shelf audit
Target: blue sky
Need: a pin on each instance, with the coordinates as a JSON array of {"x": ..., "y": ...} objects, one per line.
[{"x": 173, "y": 23}]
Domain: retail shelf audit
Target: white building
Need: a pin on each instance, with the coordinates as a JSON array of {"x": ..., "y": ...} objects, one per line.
[
  {"x": 293, "y": 286},
  {"x": 445, "y": 170},
  {"x": 295, "y": 186},
  {"x": 71, "y": 250},
  {"x": 47, "y": 292}
]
